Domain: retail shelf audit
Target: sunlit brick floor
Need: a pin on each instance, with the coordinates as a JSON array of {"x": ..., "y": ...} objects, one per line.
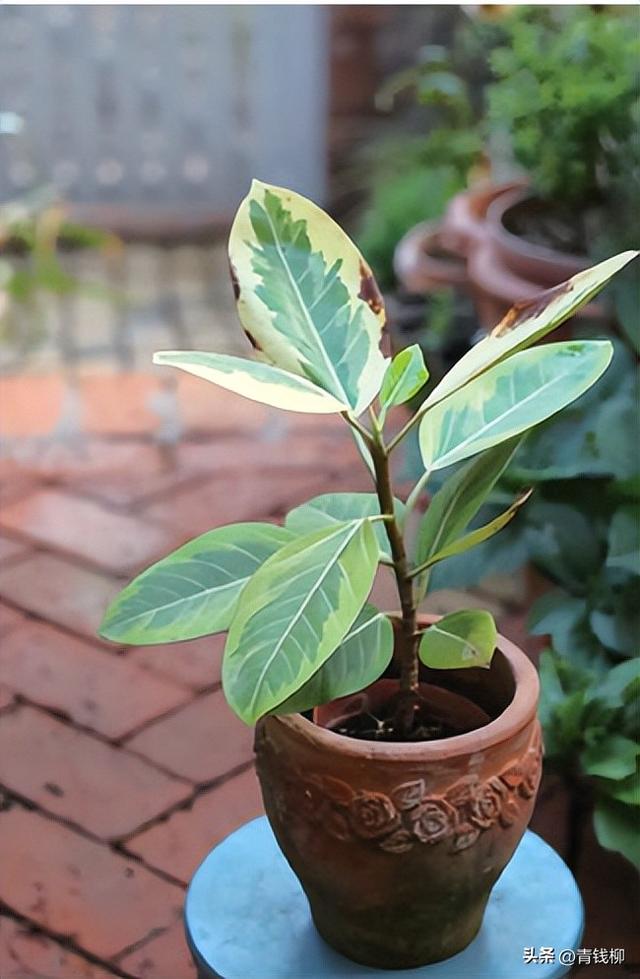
[{"x": 120, "y": 768}]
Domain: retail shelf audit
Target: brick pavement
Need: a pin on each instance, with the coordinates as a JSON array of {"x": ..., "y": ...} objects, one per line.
[{"x": 120, "y": 768}]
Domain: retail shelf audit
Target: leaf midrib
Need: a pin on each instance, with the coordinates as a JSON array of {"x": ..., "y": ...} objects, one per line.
[
  {"x": 300, "y": 612},
  {"x": 305, "y": 313},
  {"x": 477, "y": 435}
]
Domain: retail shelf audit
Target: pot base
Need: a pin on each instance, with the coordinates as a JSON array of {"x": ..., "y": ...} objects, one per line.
[
  {"x": 247, "y": 917},
  {"x": 424, "y": 943}
]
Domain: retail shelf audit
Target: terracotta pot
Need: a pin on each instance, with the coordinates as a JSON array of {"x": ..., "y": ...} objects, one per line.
[
  {"x": 544, "y": 266},
  {"x": 463, "y": 225},
  {"x": 422, "y": 262},
  {"x": 397, "y": 846},
  {"x": 504, "y": 268}
]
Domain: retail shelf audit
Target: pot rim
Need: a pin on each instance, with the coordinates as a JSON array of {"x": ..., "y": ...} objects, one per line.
[
  {"x": 496, "y": 211},
  {"x": 517, "y": 714}
]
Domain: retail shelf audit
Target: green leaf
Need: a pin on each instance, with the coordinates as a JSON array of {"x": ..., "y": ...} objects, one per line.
[
  {"x": 305, "y": 296},
  {"x": 509, "y": 399},
  {"x": 254, "y": 380},
  {"x": 624, "y": 539},
  {"x": 404, "y": 377},
  {"x": 612, "y": 757},
  {"x": 331, "y": 508},
  {"x": 294, "y": 613},
  {"x": 626, "y": 790},
  {"x": 480, "y": 534},
  {"x": 193, "y": 591},
  {"x": 359, "y": 660},
  {"x": 455, "y": 505},
  {"x": 617, "y": 629},
  {"x": 527, "y": 322},
  {"x": 619, "y": 685},
  {"x": 459, "y": 640},
  {"x": 616, "y": 827}
]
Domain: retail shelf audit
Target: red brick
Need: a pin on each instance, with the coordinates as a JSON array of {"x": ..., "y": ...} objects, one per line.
[
  {"x": 74, "y": 886},
  {"x": 142, "y": 473},
  {"x": 165, "y": 957},
  {"x": 201, "y": 741},
  {"x": 249, "y": 496},
  {"x": 203, "y": 407},
  {"x": 31, "y": 405},
  {"x": 120, "y": 404},
  {"x": 86, "y": 458},
  {"x": 106, "y": 790},
  {"x": 181, "y": 843},
  {"x": 197, "y": 663},
  {"x": 106, "y": 693},
  {"x": 11, "y": 549},
  {"x": 55, "y": 589},
  {"x": 83, "y": 529},
  {"x": 26, "y": 953},
  {"x": 9, "y": 619},
  {"x": 271, "y": 450}
]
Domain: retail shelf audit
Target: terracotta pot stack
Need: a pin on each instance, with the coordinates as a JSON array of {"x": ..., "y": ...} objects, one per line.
[{"x": 472, "y": 248}]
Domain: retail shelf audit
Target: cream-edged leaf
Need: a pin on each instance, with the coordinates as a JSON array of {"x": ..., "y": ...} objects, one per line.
[
  {"x": 527, "y": 322},
  {"x": 510, "y": 398},
  {"x": 294, "y": 613},
  {"x": 457, "y": 641},
  {"x": 193, "y": 591},
  {"x": 329, "y": 509},
  {"x": 360, "y": 659},
  {"x": 306, "y": 297},
  {"x": 479, "y": 535},
  {"x": 404, "y": 377},
  {"x": 254, "y": 380}
]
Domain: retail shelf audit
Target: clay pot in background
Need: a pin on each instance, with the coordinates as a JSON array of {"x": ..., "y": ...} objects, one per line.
[
  {"x": 504, "y": 268},
  {"x": 398, "y": 845},
  {"x": 501, "y": 268}
]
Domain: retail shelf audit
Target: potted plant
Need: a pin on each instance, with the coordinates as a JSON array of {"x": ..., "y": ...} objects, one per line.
[
  {"x": 559, "y": 116},
  {"x": 392, "y": 749}
]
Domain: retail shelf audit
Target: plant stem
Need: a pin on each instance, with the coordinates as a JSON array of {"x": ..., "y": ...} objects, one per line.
[
  {"x": 406, "y": 638},
  {"x": 415, "y": 418}
]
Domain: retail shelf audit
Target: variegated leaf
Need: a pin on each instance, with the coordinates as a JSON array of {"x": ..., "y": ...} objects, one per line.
[
  {"x": 193, "y": 591},
  {"x": 527, "y": 322},
  {"x": 479, "y": 535},
  {"x": 510, "y": 398},
  {"x": 306, "y": 297},
  {"x": 254, "y": 380},
  {"x": 360, "y": 659},
  {"x": 459, "y": 640},
  {"x": 329, "y": 509},
  {"x": 294, "y": 613}
]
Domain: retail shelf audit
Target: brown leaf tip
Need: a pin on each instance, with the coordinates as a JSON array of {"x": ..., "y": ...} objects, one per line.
[
  {"x": 252, "y": 340},
  {"x": 234, "y": 280},
  {"x": 369, "y": 291},
  {"x": 528, "y": 309}
]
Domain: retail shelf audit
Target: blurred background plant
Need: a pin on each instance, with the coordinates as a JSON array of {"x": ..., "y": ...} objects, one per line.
[
  {"x": 550, "y": 94},
  {"x": 33, "y": 232}
]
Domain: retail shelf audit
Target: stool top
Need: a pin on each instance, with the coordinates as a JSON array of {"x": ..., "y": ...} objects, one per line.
[{"x": 248, "y": 918}]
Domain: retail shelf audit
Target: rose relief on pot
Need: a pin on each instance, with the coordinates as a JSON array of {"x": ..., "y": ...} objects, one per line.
[{"x": 398, "y": 754}]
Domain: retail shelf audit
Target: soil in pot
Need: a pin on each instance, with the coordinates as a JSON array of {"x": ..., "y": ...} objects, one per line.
[
  {"x": 437, "y": 713},
  {"x": 548, "y": 225}
]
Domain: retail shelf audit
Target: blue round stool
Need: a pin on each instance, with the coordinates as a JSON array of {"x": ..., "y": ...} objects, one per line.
[{"x": 247, "y": 917}]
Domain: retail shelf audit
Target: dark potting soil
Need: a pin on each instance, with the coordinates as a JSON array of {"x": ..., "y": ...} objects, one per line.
[
  {"x": 381, "y": 727},
  {"x": 551, "y": 227}
]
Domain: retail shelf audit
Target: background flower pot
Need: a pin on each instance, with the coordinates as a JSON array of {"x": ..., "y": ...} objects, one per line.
[
  {"x": 397, "y": 846},
  {"x": 473, "y": 249}
]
